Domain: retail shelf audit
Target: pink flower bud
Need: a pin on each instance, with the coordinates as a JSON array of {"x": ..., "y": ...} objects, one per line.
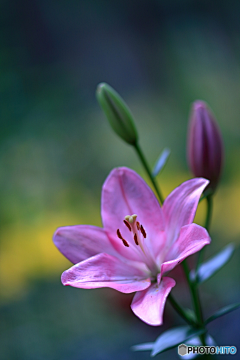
[{"x": 205, "y": 146}]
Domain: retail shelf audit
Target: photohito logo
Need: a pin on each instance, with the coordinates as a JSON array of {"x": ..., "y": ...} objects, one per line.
[{"x": 212, "y": 350}]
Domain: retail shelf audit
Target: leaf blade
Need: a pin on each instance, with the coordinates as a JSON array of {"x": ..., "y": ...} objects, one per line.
[
  {"x": 161, "y": 162},
  {"x": 225, "y": 310},
  {"x": 142, "y": 347},
  {"x": 174, "y": 337},
  {"x": 211, "y": 266}
]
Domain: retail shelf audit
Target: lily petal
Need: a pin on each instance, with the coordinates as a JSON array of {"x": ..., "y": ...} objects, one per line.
[
  {"x": 80, "y": 242},
  {"x": 125, "y": 193},
  {"x": 104, "y": 270},
  {"x": 149, "y": 304},
  {"x": 180, "y": 206},
  {"x": 192, "y": 238}
]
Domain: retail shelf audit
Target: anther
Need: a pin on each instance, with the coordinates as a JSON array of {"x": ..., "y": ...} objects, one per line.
[
  {"x": 119, "y": 234},
  {"x": 127, "y": 225},
  {"x": 123, "y": 240},
  {"x": 143, "y": 232},
  {"x": 138, "y": 225},
  {"x": 125, "y": 243},
  {"x": 136, "y": 239}
]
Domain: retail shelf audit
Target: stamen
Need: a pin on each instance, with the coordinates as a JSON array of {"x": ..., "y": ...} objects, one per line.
[
  {"x": 119, "y": 234},
  {"x": 143, "y": 232},
  {"x": 127, "y": 225},
  {"x": 136, "y": 239},
  {"x": 125, "y": 243},
  {"x": 123, "y": 240}
]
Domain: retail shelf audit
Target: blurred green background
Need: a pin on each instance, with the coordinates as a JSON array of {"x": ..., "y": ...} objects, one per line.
[{"x": 56, "y": 149}]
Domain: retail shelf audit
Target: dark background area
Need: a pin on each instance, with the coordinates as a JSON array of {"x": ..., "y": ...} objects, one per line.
[{"x": 56, "y": 149}]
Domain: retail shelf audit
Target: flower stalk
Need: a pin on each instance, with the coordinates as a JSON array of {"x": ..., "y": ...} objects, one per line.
[
  {"x": 181, "y": 311},
  {"x": 196, "y": 303},
  {"x": 209, "y": 200},
  {"x": 194, "y": 295},
  {"x": 147, "y": 168}
]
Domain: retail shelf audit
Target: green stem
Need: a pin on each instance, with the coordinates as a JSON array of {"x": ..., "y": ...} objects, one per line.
[
  {"x": 145, "y": 164},
  {"x": 209, "y": 211},
  {"x": 194, "y": 294},
  {"x": 180, "y": 311},
  {"x": 196, "y": 304},
  {"x": 207, "y": 226}
]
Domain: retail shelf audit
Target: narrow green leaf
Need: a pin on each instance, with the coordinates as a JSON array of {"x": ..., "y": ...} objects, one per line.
[
  {"x": 174, "y": 337},
  {"x": 142, "y": 347},
  {"x": 161, "y": 162},
  {"x": 225, "y": 310},
  {"x": 208, "y": 268}
]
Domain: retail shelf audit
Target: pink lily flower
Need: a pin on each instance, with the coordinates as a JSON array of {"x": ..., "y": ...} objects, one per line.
[{"x": 139, "y": 243}]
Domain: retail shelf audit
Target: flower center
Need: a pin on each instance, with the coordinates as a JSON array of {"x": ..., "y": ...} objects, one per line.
[
  {"x": 137, "y": 230},
  {"x": 138, "y": 236}
]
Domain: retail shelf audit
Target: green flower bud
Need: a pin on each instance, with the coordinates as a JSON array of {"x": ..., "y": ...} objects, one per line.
[{"x": 117, "y": 112}]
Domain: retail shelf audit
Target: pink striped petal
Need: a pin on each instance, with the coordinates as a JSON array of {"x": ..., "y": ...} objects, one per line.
[
  {"x": 149, "y": 304},
  {"x": 104, "y": 270},
  {"x": 180, "y": 206},
  {"x": 192, "y": 238},
  {"x": 80, "y": 242},
  {"x": 125, "y": 193}
]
